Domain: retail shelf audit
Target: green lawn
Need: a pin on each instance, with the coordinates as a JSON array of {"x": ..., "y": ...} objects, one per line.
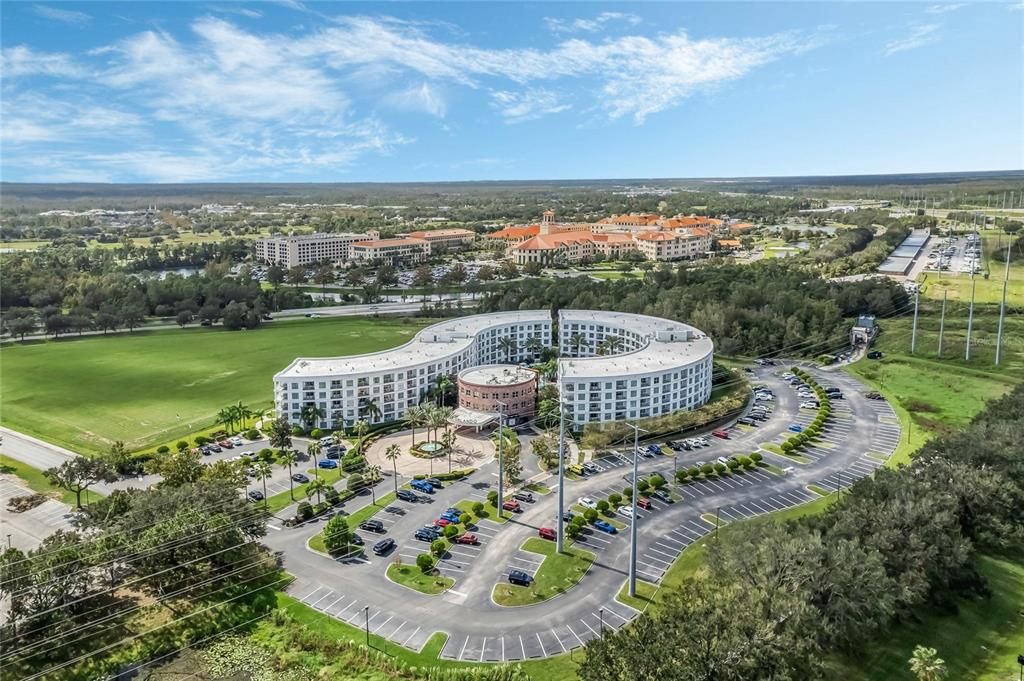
[
  {"x": 490, "y": 511},
  {"x": 558, "y": 573},
  {"x": 645, "y": 595},
  {"x": 414, "y": 578},
  {"x": 981, "y": 642},
  {"x": 151, "y": 387},
  {"x": 37, "y": 482},
  {"x": 316, "y": 542}
]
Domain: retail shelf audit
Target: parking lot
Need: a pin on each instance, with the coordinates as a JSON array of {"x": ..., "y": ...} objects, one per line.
[{"x": 28, "y": 529}]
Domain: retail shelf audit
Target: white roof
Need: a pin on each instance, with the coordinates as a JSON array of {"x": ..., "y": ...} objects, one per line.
[
  {"x": 497, "y": 374},
  {"x": 670, "y": 345},
  {"x": 434, "y": 343}
]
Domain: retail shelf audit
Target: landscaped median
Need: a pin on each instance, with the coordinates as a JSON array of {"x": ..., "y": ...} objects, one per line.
[
  {"x": 316, "y": 542},
  {"x": 557, "y": 574},
  {"x": 415, "y": 578}
]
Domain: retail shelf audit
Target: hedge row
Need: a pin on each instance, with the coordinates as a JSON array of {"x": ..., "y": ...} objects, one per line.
[{"x": 812, "y": 431}]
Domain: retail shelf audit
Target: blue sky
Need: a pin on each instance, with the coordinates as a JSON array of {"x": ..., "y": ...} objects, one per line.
[{"x": 290, "y": 91}]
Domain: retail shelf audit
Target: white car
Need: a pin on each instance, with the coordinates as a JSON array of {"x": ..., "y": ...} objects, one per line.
[
  {"x": 808, "y": 405},
  {"x": 237, "y": 441},
  {"x": 723, "y": 460},
  {"x": 626, "y": 511},
  {"x": 587, "y": 502},
  {"x": 703, "y": 440},
  {"x": 765, "y": 398}
]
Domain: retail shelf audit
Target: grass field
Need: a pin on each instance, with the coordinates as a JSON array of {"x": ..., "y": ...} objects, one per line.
[
  {"x": 412, "y": 577},
  {"x": 558, "y": 573},
  {"x": 152, "y": 387}
]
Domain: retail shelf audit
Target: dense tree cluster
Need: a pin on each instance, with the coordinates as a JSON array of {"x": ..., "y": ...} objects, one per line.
[
  {"x": 776, "y": 597},
  {"x": 748, "y": 309}
]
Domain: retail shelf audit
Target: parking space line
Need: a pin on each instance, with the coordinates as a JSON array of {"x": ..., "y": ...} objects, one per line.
[
  {"x": 522, "y": 646},
  {"x": 395, "y": 632},
  {"x": 411, "y": 636},
  {"x": 380, "y": 626},
  {"x": 464, "y": 643}
]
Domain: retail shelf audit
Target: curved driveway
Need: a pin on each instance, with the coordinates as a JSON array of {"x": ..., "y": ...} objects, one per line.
[{"x": 860, "y": 437}]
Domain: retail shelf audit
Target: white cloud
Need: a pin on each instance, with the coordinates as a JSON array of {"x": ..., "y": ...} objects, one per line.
[
  {"x": 240, "y": 11},
  {"x": 65, "y": 16},
  {"x": 516, "y": 107},
  {"x": 23, "y": 61},
  {"x": 1016, "y": 6},
  {"x": 919, "y": 36},
  {"x": 424, "y": 97},
  {"x": 946, "y": 7},
  {"x": 593, "y": 25}
]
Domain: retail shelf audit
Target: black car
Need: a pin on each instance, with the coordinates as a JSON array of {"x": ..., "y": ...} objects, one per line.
[
  {"x": 355, "y": 540},
  {"x": 434, "y": 482},
  {"x": 300, "y": 477},
  {"x": 407, "y": 495},
  {"x": 747, "y": 421},
  {"x": 519, "y": 577},
  {"x": 663, "y": 496},
  {"x": 875, "y": 354},
  {"x": 426, "y": 534},
  {"x": 372, "y": 525},
  {"x": 255, "y": 495},
  {"x": 383, "y": 546},
  {"x": 215, "y": 448}
]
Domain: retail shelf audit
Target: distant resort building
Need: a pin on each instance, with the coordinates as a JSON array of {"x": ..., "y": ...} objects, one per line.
[{"x": 309, "y": 249}]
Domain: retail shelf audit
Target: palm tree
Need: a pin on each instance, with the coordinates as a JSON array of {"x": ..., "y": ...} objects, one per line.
[
  {"x": 288, "y": 459},
  {"x": 509, "y": 345},
  {"x": 262, "y": 469},
  {"x": 242, "y": 412},
  {"x": 316, "y": 486},
  {"x": 369, "y": 406},
  {"x": 311, "y": 414},
  {"x": 577, "y": 342},
  {"x": 391, "y": 454},
  {"x": 926, "y": 664},
  {"x": 438, "y": 418},
  {"x": 444, "y": 386},
  {"x": 259, "y": 415},
  {"x": 533, "y": 345},
  {"x": 227, "y": 417},
  {"x": 361, "y": 428},
  {"x": 414, "y": 416},
  {"x": 373, "y": 473},
  {"x": 314, "y": 450},
  {"x": 613, "y": 344},
  {"x": 448, "y": 442}
]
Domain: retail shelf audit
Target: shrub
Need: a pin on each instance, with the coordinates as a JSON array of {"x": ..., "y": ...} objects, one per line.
[
  {"x": 707, "y": 469},
  {"x": 682, "y": 475},
  {"x": 733, "y": 464},
  {"x": 656, "y": 481},
  {"x": 573, "y": 531},
  {"x": 202, "y": 440},
  {"x": 320, "y": 508},
  {"x": 336, "y": 534},
  {"x": 252, "y": 434},
  {"x": 424, "y": 562},
  {"x": 578, "y": 521},
  {"x": 693, "y": 471},
  {"x": 355, "y": 481},
  {"x": 297, "y": 430},
  {"x": 721, "y": 468},
  {"x": 450, "y": 531},
  {"x": 464, "y": 518},
  {"x": 181, "y": 445},
  {"x": 163, "y": 449},
  {"x": 627, "y": 493},
  {"x": 756, "y": 457},
  {"x": 305, "y": 510},
  {"x": 787, "y": 446},
  {"x": 316, "y": 433},
  {"x": 745, "y": 461},
  {"x": 642, "y": 485},
  {"x": 602, "y": 506},
  {"x": 615, "y": 499},
  {"x": 332, "y": 496},
  {"x": 438, "y": 547},
  {"x": 478, "y": 508},
  {"x": 492, "y": 498},
  {"x": 590, "y": 515}
]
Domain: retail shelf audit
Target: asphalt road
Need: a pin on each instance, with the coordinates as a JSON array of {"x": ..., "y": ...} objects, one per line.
[{"x": 862, "y": 434}]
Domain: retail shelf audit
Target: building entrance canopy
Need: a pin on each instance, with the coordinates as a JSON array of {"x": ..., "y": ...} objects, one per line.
[{"x": 471, "y": 418}]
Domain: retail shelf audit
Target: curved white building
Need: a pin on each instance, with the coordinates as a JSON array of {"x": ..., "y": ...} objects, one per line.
[{"x": 657, "y": 367}]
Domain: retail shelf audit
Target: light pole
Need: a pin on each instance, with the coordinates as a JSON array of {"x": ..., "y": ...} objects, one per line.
[
  {"x": 913, "y": 333},
  {"x": 718, "y": 511},
  {"x": 366, "y": 611},
  {"x": 1002, "y": 303},
  {"x": 559, "y": 520},
  {"x": 633, "y": 520},
  {"x": 501, "y": 468},
  {"x": 600, "y": 612}
]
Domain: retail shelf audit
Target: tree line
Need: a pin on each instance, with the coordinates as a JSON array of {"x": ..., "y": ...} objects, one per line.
[{"x": 777, "y": 598}]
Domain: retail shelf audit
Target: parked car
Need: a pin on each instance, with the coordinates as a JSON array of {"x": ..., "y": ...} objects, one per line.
[
  {"x": 662, "y": 495},
  {"x": 226, "y": 444},
  {"x": 808, "y": 404},
  {"x": 875, "y": 354},
  {"x": 873, "y": 395},
  {"x": 407, "y": 495},
  {"x": 587, "y": 502},
  {"x": 547, "y": 533},
  {"x": 300, "y": 477},
  {"x": 237, "y": 441},
  {"x": 746, "y": 421},
  {"x": 356, "y": 540},
  {"x": 442, "y": 522},
  {"x": 524, "y": 496},
  {"x": 796, "y": 428},
  {"x": 255, "y": 495},
  {"x": 451, "y": 517},
  {"x": 591, "y": 467},
  {"x": 722, "y": 460},
  {"x": 205, "y": 449},
  {"x": 329, "y": 464},
  {"x": 372, "y": 525},
  {"x": 511, "y": 505},
  {"x": 626, "y": 511},
  {"x": 334, "y": 452},
  {"x": 422, "y": 486},
  {"x": 383, "y": 546},
  {"x": 326, "y": 441},
  {"x": 423, "y": 534},
  {"x": 723, "y": 434},
  {"x": 434, "y": 482},
  {"x": 467, "y": 538},
  {"x": 519, "y": 577},
  {"x": 644, "y": 503},
  {"x": 215, "y": 448},
  {"x": 605, "y": 526},
  {"x": 567, "y": 516}
]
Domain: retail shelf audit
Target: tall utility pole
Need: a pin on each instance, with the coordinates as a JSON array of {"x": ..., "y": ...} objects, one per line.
[
  {"x": 501, "y": 463},
  {"x": 635, "y": 518},
  {"x": 913, "y": 333},
  {"x": 1002, "y": 303},
  {"x": 559, "y": 522},
  {"x": 942, "y": 321},
  {"x": 970, "y": 319}
]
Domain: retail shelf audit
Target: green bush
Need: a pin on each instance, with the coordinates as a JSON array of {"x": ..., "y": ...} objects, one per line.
[
  {"x": 733, "y": 464},
  {"x": 252, "y": 434},
  {"x": 492, "y": 498},
  {"x": 464, "y": 519},
  {"x": 693, "y": 471},
  {"x": 627, "y": 493},
  {"x": 450, "y": 531},
  {"x": 745, "y": 461},
  {"x": 438, "y": 547},
  {"x": 181, "y": 445},
  {"x": 656, "y": 481},
  {"x": 163, "y": 449},
  {"x": 332, "y": 496},
  {"x": 642, "y": 485},
  {"x": 320, "y": 508},
  {"x": 615, "y": 499},
  {"x": 721, "y": 468},
  {"x": 305, "y": 510},
  {"x": 707, "y": 469},
  {"x": 202, "y": 440},
  {"x": 682, "y": 475},
  {"x": 478, "y": 508},
  {"x": 297, "y": 430},
  {"x": 602, "y": 506},
  {"x": 573, "y": 531},
  {"x": 787, "y": 446},
  {"x": 424, "y": 562},
  {"x": 316, "y": 433},
  {"x": 590, "y": 515},
  {"x": 756, "y": 457},
  {"x": 355, "y": 482},
  {"x": 336, "y": 534}
]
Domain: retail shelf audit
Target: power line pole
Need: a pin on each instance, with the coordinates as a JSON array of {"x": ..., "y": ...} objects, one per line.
[
  {"x": 635, "y": 518},
  {"x": 913, "y": 333},
  {"x": 1002, "y": 304},
  {"x": 501, "y": 463},
  {"x": 970, "y": 319},
  {"x": 942, "y": 321},
  {"x": 559, "y": 522}
]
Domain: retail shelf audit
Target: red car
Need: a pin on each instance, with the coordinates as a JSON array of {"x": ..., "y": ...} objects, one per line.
[
  {"x": 511, "y": 505},
  {"x": 643, "y": 502},
  {"x": 721, "y": 433},
  {"x": 546, "y": 533},
  {"x": 467, "y": 538},
  {"x": 441, "y": 522},
  {"x": 226, "y": 444}
]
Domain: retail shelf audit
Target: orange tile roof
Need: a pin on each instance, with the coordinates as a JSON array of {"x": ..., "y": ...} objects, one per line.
[
  {"x": 658, "y": 236},
  {"x": 740, "y": 227},
  {"x": 546, "y": 242},
  {"x": 388, "y": 242},
  {"x": 729, "y": 243},
  {"x": 516, "y": 232}
]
